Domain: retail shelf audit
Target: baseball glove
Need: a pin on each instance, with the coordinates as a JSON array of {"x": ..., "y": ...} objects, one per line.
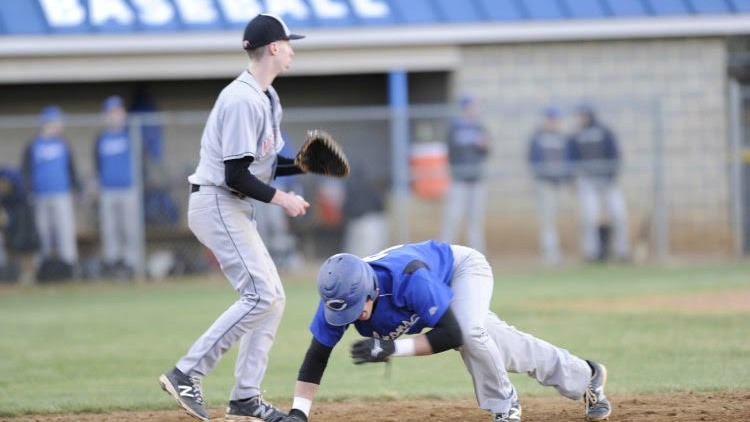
[
  {"x": 321, "y": 154},
  {"x": 372, "y": 350}
]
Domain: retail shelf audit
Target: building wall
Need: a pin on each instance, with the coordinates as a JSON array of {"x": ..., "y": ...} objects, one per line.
[
  {"x": 661, "y": 94},
  {"x": 668, "y": 94}
]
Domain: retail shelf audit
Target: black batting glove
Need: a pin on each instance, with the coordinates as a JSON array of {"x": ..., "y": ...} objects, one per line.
[
  {"x": 295, "y": 415},
  {"x": 372, "y": 350}
]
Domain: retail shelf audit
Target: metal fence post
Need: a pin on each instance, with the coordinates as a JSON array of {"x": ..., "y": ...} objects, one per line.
[
  {"x": 660, "y": 203},
  {"x": 136, "y": 136},
  {"x": 735, "y": 163},
  {"x": 398, "y": 96}
]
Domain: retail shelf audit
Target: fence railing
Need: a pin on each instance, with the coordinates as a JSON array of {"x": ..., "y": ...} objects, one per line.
[{"x": 371, "y": 141}]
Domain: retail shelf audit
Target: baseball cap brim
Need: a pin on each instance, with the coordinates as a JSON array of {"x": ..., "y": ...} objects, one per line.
[
  {"x": 295, "y": 37},
  {"x": 346, "y": 315}
]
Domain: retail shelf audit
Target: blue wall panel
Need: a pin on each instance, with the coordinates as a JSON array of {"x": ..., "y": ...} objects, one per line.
[
  {"x": 415, "y": 11},
  {"x": 585, "y": 8},
  {"x": 741, "y": 5},
  {"x": 544, "y": 9},
  {"x": 458, "y": 11},
  {"x": 669, "y": 7},
  {"x": 21, "y": 17},
  {"x": 627, "y": 8},
  {"x": 73, "y": 16},
  {"x": 502, "y": 10},
  {"x": 710, "y": 6}
]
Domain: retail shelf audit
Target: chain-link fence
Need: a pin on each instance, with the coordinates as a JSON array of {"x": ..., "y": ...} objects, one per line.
[{"x": 364, "y": 212}]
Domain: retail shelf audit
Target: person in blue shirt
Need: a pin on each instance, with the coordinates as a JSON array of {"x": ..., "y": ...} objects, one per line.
[
  {"x": 597, "y": 162},
  {"x": 49, "y": 175},
  {"x": 447, "y": 289},
  {"x": 118, "y": 200},
  {"x": 550, "y": 161}
]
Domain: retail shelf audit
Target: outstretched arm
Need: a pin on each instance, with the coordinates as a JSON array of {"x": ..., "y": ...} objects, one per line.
[
  {"x": 308, "y": 380},
  {"x": 446, "y": 335}
]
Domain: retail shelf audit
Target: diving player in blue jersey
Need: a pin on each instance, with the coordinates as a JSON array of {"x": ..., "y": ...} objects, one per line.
[{"x": 448, "y": 288}]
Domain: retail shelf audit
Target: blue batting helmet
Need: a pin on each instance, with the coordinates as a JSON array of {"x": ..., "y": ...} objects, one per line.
[{"x": 345, "y": 282}]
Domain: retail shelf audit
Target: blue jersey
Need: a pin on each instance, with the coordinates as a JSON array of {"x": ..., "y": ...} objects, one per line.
[
  {"x": 414, "y": 282},
  {"x": 113, "y": 159},
  {"x": 48, "y": 166}
]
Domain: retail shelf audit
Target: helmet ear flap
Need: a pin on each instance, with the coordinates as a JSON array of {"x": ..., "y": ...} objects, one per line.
[{"x": 373, "y": 293}]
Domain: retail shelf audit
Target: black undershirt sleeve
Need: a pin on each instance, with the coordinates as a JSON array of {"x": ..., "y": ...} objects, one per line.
[
  {"x": 238, "y": 178},
  {"x": 316, "y": 360},
  {"x": 446, "y": 335},
  {"x": 285, "y": 167}
]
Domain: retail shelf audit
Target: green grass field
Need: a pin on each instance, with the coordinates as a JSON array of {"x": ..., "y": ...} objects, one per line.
[{"x": 101, "y": 346}]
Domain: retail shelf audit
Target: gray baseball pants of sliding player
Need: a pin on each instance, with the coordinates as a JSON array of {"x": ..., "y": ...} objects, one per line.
[
  {"x": 492, "y": 348},
  {"x": 592, "y": 191},
  {"x": 224, "y": 223},
  {"x": 465, "y": 198}
]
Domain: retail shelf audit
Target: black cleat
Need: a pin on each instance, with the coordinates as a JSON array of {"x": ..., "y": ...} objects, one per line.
[
  {"x": 254, "y": 409},
  {"x": 186, "y": 390}
]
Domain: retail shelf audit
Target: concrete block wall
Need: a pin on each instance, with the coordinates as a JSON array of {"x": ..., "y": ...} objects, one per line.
[{"x": 662, "y": 93}]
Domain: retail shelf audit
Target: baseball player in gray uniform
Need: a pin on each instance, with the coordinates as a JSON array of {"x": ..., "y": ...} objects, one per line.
[{"x": 238, "y": 159}]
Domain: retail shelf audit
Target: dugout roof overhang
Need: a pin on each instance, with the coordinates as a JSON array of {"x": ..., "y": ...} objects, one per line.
[{"x": 338, "y": 50}]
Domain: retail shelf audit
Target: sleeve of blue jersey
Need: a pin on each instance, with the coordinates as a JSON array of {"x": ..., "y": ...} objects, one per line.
[
  {"x": 327, "y": 334},
  {"x": 424, "y": 294}
]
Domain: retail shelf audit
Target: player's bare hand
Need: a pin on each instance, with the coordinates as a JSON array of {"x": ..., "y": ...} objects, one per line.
[{"x": 294, "y": 205}]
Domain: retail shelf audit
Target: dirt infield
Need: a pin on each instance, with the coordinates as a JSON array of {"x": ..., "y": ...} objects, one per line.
[{"x": 682, "y": 407}]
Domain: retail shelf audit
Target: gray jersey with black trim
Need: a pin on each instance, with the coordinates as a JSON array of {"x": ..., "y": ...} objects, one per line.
[{"x": 244, "y": 122}]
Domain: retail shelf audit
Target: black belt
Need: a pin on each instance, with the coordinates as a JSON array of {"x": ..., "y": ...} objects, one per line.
[{"x": 197, "y": 188}]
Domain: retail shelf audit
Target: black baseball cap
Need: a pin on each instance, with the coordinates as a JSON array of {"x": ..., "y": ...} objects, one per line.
[{"x": 265, "y": 29}]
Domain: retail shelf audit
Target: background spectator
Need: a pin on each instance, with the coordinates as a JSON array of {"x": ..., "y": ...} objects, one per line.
[
  {"x": 18, "y": 235},
  {"x": 49, "y": 174},
  {"x": 597, "y": 159},
  {"x": 118, "y": 204},
  {"x": 468, "y": 147},
  {"x": 549, "y": 158}
]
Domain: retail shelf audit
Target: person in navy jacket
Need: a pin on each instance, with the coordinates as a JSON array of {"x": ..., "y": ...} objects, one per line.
[
  {"x": 468, "y": 149},
  {"x": 118, "y": 200},
  {"x": 49, "y": 174},
  {"x": 597, "y": 160}
]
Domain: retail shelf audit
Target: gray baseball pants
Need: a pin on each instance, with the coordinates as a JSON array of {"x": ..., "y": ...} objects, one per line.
[
  {"x": 492, "y": 348},
  {"x": 118, "y": 223},
  {"x": 547, "y": 204},
  {"x": 224, "y": 224},
  {"x": 465, "y": 198},
  {"x": 56, "y": 224},
  {"x": 592, "y": 192}
]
